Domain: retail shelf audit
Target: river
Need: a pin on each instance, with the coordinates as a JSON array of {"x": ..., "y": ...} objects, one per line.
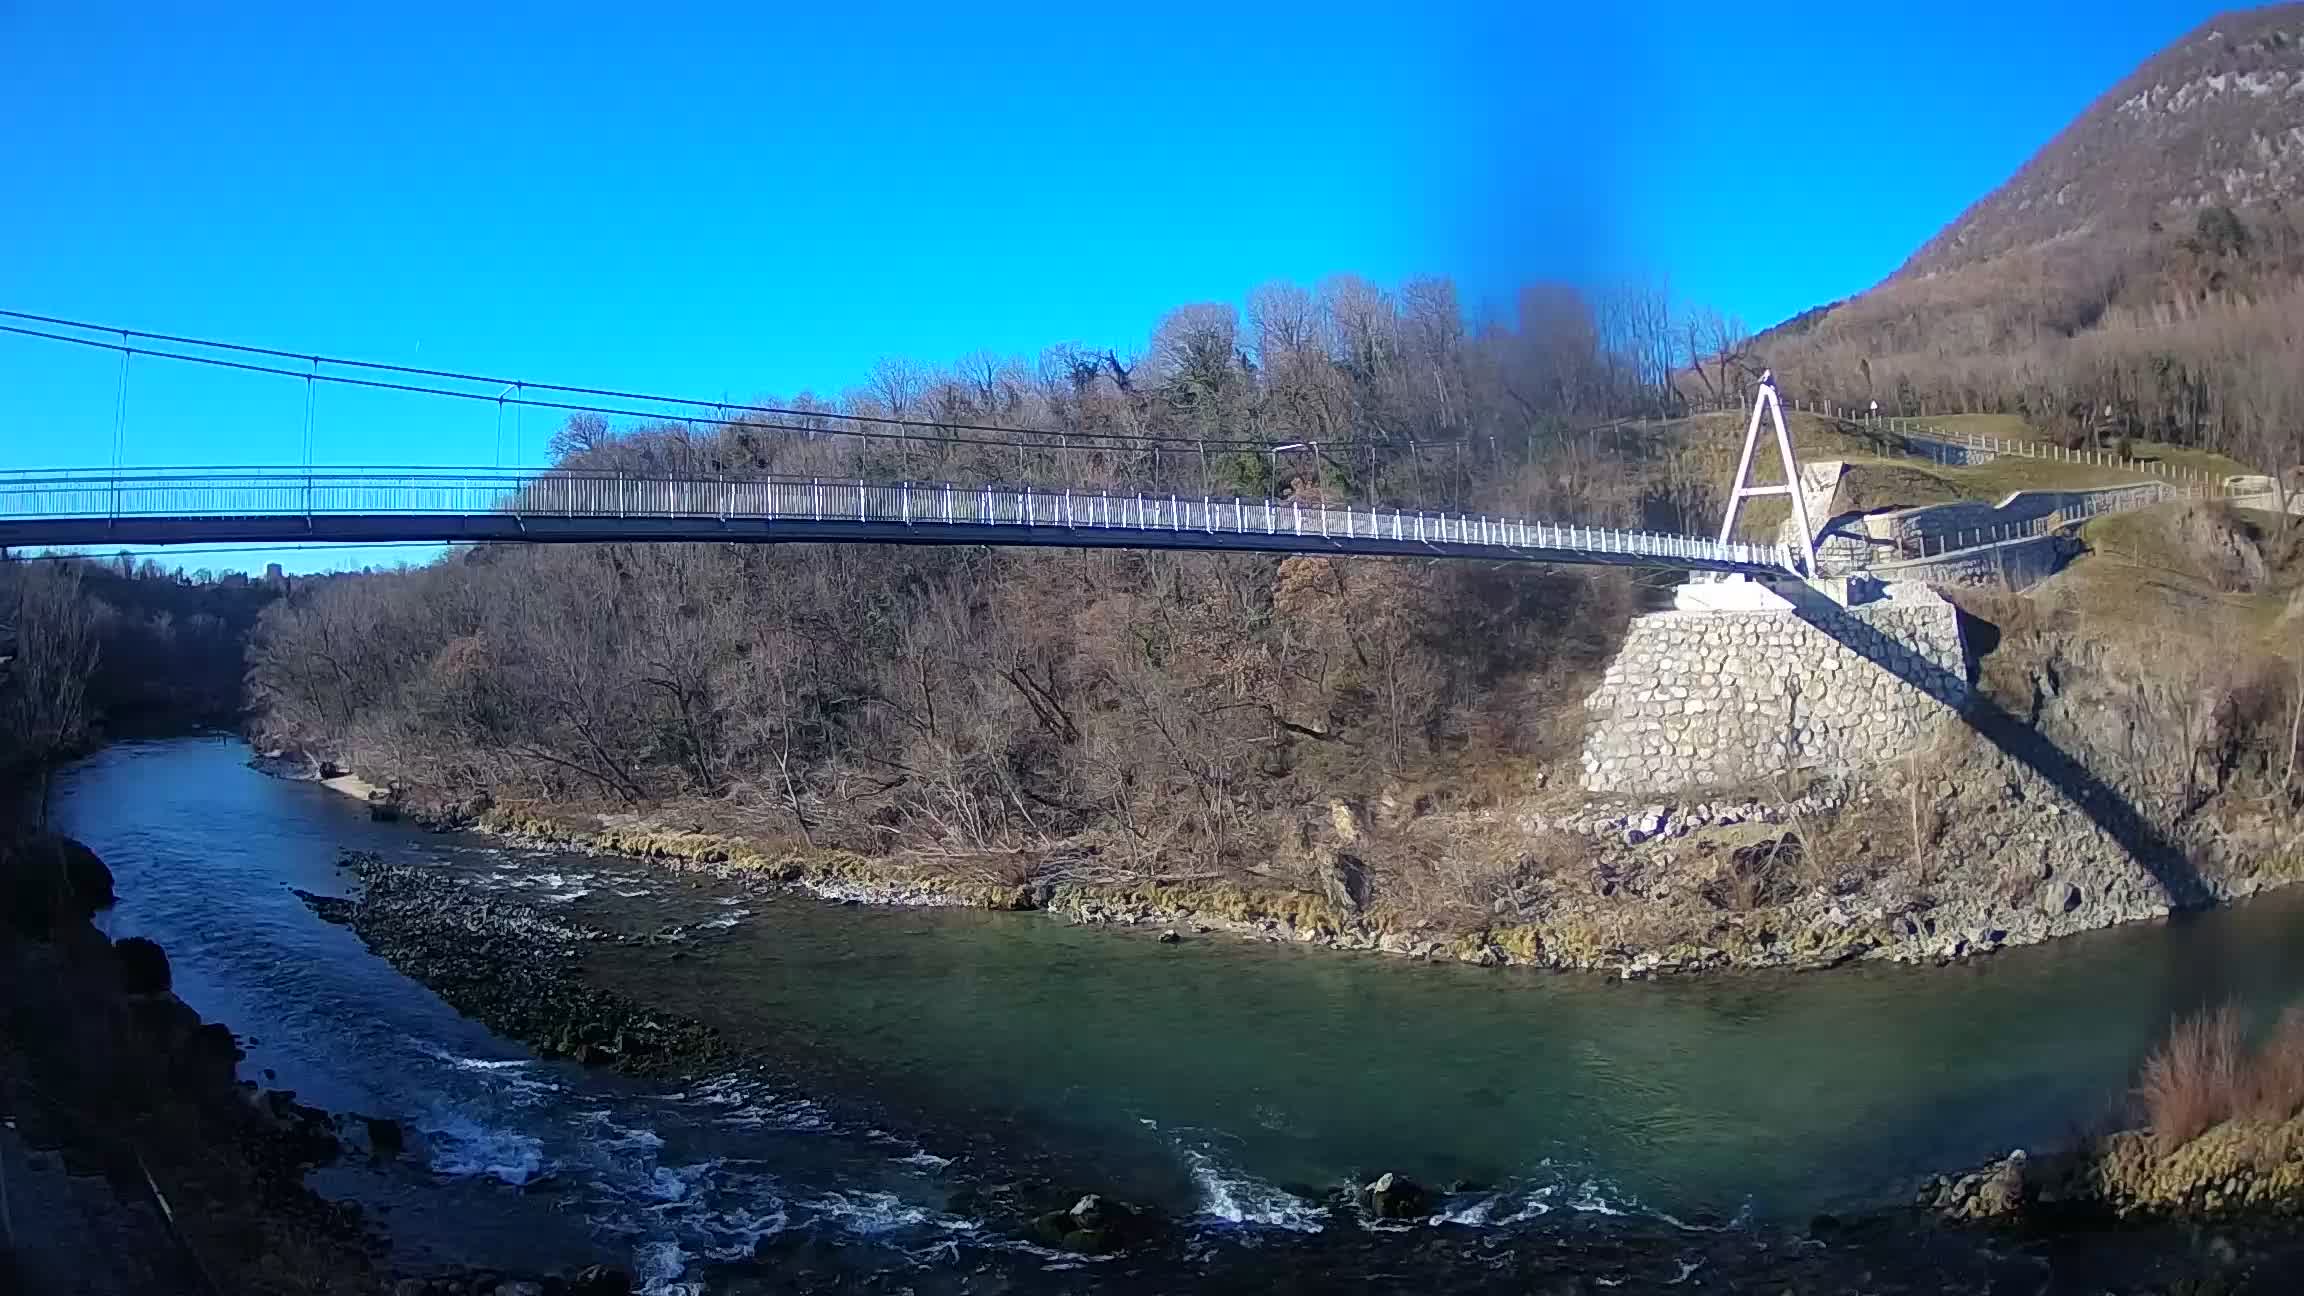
[{"x": 933, "y": 1053}]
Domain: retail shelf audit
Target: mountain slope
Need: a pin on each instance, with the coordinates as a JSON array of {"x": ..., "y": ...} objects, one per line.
[
  {"x": 2142, "y": 276},
  {"x": 2217, "y": 119}
]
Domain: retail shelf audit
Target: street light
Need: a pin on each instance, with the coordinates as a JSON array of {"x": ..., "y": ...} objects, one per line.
[{"x": 1275, "y": 452}]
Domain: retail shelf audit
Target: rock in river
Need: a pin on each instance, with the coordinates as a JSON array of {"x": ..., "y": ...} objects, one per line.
[
  {"x": 1397, "y": 1197},
  {"x": 1096, "y": 1225}
]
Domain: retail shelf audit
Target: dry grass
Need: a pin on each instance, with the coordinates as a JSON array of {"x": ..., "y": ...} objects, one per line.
[
  {"x": 2205, "y": 1073},
  {"x": 1881, "y": 475},
  {"x": 2008, "y": 427},
  {"x": 2191, "y": 1082},
  {"x": 1456, "y": 879},
  {"x": 2012, "y": 427},
  {"x": 2221, "y": 574}
]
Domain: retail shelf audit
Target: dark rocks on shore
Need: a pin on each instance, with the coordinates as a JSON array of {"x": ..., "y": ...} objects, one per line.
[
  {"x": 329, "y": 908},
  {"x": 387, "y": 1139},
  {"x": 600, "y": 1280},
  {"x": 143, "y": 967},
  {"x": 49, "y": 883},
  {"x": 593, "y": 1280},
  {"x": 2020, "y": 1189},
  {"x": 513, "y": 968},
  {"x": 449, "y": 815},
  {"x": 103, "y": 1063}
]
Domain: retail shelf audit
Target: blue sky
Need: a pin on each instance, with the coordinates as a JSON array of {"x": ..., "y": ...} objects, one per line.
[{"x": 755, "y": 201}]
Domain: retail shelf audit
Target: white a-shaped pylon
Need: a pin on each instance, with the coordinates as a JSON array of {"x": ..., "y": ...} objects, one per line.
[{"x": 1765, "y": 401}]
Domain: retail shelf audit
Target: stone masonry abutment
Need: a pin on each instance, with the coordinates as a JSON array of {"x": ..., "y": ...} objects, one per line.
[{"x": 1741, "y": 683}]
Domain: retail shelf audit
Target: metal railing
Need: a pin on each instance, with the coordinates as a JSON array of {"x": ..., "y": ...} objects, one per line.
[
  {"x": 2070, "y": 508},
  {"x": 1031, "y": 511},
  {"x": 2194, "y": 482}
]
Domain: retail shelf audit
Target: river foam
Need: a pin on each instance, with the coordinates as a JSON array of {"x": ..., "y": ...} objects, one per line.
[{"x": 1233, "y": 1196}]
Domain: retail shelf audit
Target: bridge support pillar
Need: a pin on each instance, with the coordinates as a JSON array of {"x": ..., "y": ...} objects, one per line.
[
  {"x": 1749, "y": 680},
  {"x": 1766, "y": 404}
]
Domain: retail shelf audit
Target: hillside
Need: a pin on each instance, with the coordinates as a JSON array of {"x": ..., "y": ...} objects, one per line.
[
  {"x": 2215, "y": 119},
  {"x": 2141, "y": 276}
]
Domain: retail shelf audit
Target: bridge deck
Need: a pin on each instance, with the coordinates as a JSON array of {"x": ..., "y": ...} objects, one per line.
[{"x": 375, "y": 505}]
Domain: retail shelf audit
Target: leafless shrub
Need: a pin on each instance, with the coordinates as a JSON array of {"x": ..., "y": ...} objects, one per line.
[
  {"x": 2193, "y": 1080},
  {"x": 2205, "y": 1073}
]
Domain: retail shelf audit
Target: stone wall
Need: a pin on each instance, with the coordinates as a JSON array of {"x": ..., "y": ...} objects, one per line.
[
  {"x": 2011, "y": 565},
  {"x": 1950, "y": 453},
  {"x": 1954, "y": 525},
  {"x": 1700, "y": 699},
  {"x": 1842, "y": 545}
]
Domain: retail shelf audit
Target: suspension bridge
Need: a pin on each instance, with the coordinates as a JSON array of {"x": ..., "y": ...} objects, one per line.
[
  {"x": 376, "y": 505},
  {"x": 123, "y": 505}
]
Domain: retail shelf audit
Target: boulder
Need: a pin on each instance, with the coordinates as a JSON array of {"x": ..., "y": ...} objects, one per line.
[
  {"x": 2059, "y": 898},
  {"x": 1344, "y": 880},
  {"x": 600, "y": 1280},
  {"x": 86, "y": 880},
  {"x": 1095, "y": 1225},
  {"x": 386, "y": 1138},
  {"x": 2002, "y": 1192},
  {"x": 48, "y": 882},
  {"x": 1998, "y": 1192},
  {"x": 143, "y": 967},
  {"x": 1395, "y": 1196}
]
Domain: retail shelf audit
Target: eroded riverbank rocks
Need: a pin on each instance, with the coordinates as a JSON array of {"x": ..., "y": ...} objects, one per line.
[
  {"x": 1831, "y": 873},
  {"x": 106, "y": 1076},
  {"x": 2235, "y": 1170},
  {"x": 1634, "y": 823},
  {"x": 1950, "y": 852},
  {"x": 512, "y": 968},
  {"x": 139, "y": 1160}
]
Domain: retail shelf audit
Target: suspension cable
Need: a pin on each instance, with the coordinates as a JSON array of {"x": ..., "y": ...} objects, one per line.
[
  {"x": 565, "y": 389},
  {"x": 1016, "y": 438}
]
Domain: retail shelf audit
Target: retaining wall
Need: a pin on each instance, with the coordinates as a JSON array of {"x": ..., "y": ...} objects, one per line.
[
  {"x": 2012, "y": 564},
  {"x": 1943, "y": 524},
  {"x": 1727, "y": 699},
  {"x": 1950, "y": 453}
]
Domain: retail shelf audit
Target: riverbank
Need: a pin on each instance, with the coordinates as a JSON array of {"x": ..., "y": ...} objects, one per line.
[
  {"x": 1961, "y": 851},
  {"x": 945, "y": 1079},
  {"x": 1412, "y": 1233},
  {"x": 111, "y": 1079},
  {"x": 139, "y": 1161}
]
